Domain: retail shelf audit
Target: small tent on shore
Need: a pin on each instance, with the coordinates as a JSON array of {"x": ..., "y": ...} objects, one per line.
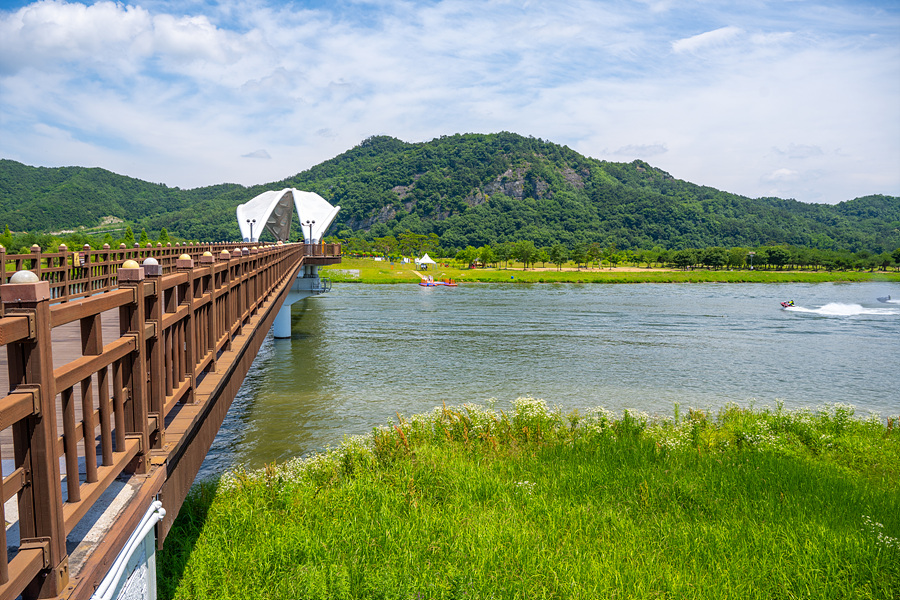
[{"x": 423, "y": 262}]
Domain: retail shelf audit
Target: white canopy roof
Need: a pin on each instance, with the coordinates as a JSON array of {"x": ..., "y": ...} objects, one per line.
[
  {"x": 272, "y": 211},
  {"x": 425, "y": 260}
]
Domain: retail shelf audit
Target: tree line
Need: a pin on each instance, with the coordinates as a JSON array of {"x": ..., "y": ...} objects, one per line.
[
  {"x": 595, "y": 254},
  {"x": 22, "y": 242}
]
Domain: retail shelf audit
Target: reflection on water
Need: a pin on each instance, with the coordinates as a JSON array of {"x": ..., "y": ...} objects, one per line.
[{"x": 362, "y": 354}]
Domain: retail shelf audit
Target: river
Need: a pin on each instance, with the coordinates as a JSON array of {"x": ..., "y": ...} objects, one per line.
[{"x": 364, "y": 353}]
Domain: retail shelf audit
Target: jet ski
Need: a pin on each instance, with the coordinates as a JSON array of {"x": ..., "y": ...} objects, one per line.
[
  {"x": 787, "y": 304},
  {"x": 884, "y": 299}
]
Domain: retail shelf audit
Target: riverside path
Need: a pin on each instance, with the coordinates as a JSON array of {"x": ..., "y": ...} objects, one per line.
[{"x": 118, "y": 366}]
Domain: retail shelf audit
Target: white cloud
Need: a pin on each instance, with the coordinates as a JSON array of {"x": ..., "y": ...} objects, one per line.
[
  {"x": 710, "y": 39},
  {"x": 781, "y": 175},
  {"x": 257, "y": 154},
  {"x": 172, "y": 97}
]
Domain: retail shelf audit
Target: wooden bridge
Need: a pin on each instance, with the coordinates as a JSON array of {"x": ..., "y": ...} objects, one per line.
[{"x": 119, "y": 378}]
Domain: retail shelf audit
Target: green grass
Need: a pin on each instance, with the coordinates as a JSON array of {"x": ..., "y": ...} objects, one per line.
[
  {"x": 370, "y": 271},
  {"x": 472, "y": 503}
]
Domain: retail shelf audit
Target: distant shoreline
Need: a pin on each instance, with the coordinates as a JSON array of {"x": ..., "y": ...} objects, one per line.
[{"x": 372, "y": 272}]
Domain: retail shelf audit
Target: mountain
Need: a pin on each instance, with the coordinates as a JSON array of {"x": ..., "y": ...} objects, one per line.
[
  {"x": 39, "y": 198},
  {"x": 469, "y": 189},
  {"x": 478, "y": 189}
]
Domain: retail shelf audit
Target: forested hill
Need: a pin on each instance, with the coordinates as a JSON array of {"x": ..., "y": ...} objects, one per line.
[
  {"x": 482, "y": 189},
  {"x": 42, "y": 199},
  {"x": 468, "y": 189}
]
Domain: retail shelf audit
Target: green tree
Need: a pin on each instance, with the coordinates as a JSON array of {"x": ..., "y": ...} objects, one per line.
[
  {"x": 843, "y": 261},
  {"x": 683, "y": 258},
  {"x": 614, "y": 258},
  {"x": 504, "y": 251},
  {"x": 558, "y": 255},
  {"x": 609, "y": 250},
  {"x": 357, "y": 245},
  {"x": 737, "y": 257},
  {"x": 164, "y": 236},
  {"x": 579, "y": 255},
  {"x": 714, "y": 257},
  {"x": 486, "y": 255},
  {"x": 778, "y": 256},
  {"x": 385, "y": 245},
  {"x": 431, "y": 243},
  {"x": 815, "y": 258},
  {"x": 467, "y": 255},
  {"x": 144, "y": 238},
  {"x": 525, "y": 252},
  {"x": 648, "y": 257},
  {"x": 663, "y": 256},
  {"x": 595, "y": 252},
  {"x": 129, "y": 237},
  {"x": 411, "y": 244}
]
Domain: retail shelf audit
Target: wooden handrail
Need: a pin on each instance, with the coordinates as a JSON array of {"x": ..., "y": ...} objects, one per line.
[
  {"x": 80, "y": 273},
  {"x": 114, "y": 397}
]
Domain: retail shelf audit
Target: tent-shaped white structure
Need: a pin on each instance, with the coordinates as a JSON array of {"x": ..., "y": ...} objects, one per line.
[
  {"x": 271, "y": 211},
  {"x": 425, "y": 260}
]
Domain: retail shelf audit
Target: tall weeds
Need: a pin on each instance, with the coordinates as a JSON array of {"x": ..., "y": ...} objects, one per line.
[{"x": 472, "y": 502}]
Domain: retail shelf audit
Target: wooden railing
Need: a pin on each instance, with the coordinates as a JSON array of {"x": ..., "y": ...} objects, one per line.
[
  {"x": 133, "y": 405},
  {"x": 83, "y": 272}
]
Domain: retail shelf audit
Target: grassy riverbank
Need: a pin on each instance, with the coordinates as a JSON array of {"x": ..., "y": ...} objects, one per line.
[
  {"x": 370, "y": 271},
  {"x": 470, "y": 502}
]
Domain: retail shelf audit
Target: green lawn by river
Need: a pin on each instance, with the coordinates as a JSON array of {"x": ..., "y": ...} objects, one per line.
[{"x": 367, "y": 270}]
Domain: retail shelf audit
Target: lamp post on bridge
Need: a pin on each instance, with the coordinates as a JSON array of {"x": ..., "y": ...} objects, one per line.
[
  {"x": 251, "y": 221},
  {"x": 310, "y": 224}
]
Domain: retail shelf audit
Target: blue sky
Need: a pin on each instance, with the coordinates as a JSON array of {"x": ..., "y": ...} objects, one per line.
[{"x": 795, "y": 99}]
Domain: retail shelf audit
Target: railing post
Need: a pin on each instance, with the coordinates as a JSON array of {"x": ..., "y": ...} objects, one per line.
[
  {"x": 243, "y": 299},
  {"x": 254, "y": 280},
  {"x": 84, "y": 259},
  {"x": 227, "y": 302},
  {"x": 209, "y": 287},
  {"x": 34, "y": 437},
  {"x": 155, "y": 348},
  {"x": 131, "y": 322},
  {"x": 91, "y": 345},
  {"x": 185, "y": 264},
  {"x": 36, "y": 259},
  {"x": 63, "y": 275},
  {"x": 105, "y": 270}
]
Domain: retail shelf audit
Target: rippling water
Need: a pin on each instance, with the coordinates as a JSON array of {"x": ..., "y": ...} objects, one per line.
[{"x": 364, "y": 353}]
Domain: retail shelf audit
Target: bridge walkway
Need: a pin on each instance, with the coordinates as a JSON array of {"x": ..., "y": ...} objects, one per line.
[{"x": 121, "y": 376}]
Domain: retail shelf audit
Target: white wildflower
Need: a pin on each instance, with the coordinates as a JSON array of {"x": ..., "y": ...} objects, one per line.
[{"x": 525, "y": 486}]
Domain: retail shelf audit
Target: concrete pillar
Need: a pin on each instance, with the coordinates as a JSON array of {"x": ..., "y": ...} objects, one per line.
[
  {"x": 306, "y": 285},
  {"x": 281, "y": 328}
]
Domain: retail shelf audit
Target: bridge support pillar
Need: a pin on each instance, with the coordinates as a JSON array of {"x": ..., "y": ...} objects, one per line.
[
  {"x": 307, "y": 284},
  {"x": 282, "y": 325}
]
